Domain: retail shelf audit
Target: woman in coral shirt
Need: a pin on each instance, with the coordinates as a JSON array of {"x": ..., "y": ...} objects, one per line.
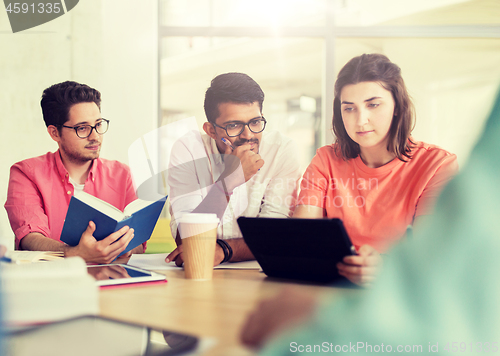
[{"x": 375, "y": 177}]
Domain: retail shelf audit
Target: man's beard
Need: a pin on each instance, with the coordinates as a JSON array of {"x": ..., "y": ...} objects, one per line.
[{"x": 77, "y": 157}]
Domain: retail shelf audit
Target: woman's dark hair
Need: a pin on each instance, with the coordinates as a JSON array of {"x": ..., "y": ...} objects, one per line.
[
  {"x": 376, "y": 68},
  {"x": 231, "y": 88},
  {"x": 58, "y": 99}
]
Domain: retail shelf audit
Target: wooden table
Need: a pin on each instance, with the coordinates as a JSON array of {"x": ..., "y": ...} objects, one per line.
[{"x": 216, "y": 308}]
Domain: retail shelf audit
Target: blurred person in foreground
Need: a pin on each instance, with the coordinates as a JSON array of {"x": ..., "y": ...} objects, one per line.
[{"x": 439, "y": 292}]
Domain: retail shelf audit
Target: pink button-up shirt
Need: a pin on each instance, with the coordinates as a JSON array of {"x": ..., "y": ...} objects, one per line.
[{"x": 39, "y": 192}]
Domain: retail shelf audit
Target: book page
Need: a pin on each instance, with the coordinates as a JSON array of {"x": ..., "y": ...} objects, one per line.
[
  {"x": 101, "y": 205},
  {"x": 152, "y": 262},
  {"x": 135, "y": 206},
  {"x": 156, "y": 262},
  {"x": 240, "y": 265},
  {"x": 34, "y": 256}
]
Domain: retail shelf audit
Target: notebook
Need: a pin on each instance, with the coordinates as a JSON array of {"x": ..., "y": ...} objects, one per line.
[{"x": 301, "y": 249}]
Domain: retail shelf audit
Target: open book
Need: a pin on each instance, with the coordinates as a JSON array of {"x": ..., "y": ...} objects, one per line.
[
  {"x": 42, "y": 292},
  {"x": 34, "y": 256},
  {"x": 141, "y": 215}
]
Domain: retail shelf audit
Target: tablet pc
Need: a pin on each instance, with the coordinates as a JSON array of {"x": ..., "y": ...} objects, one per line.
[
  {"x": 116, "y": 274},
  {"x": 302, "y": 249},
  {"x": 94, "y": 335}
]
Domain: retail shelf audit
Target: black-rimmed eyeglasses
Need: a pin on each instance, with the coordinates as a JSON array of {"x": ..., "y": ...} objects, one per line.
[
  {"x": 84, "y": 131},
  {"x": 236, "y": 128}
]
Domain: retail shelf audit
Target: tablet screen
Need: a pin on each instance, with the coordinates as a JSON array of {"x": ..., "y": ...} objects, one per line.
[
  {"x": 92, "y": 335},
  {"x": 301, "y": 249},
  {"x": 121, "y": 274}
]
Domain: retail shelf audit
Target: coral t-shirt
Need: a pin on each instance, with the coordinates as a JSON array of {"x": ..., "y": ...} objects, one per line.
[{"x": 377, "y": 204}]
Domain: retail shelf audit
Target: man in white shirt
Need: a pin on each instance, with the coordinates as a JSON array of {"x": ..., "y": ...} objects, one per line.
[{"x": 205, "y": 174}]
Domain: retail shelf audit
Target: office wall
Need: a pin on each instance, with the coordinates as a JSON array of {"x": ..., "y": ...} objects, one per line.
[{"x": 108, "y": 44}]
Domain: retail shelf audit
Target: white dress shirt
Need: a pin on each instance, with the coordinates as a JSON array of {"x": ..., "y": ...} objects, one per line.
[{"x": 196, "y": 164}]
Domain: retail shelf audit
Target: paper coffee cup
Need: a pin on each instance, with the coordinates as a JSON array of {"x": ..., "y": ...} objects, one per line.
[{"x": 199, "y": 234}]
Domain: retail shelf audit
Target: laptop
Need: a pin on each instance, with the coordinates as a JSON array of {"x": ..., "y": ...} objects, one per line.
[{"x": 301, "y": 249}]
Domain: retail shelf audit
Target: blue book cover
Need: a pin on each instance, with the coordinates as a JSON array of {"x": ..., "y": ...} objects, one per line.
[{"x": 138, "y": 215}]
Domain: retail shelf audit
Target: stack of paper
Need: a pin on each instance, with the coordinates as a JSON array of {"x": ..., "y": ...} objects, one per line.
[
  {"x": 156, "y": 262},
  {"x": 42, "y": 292}
]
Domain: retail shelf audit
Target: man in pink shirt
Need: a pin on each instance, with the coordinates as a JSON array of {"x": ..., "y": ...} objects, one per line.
[{"x": 40, "y": 188}]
